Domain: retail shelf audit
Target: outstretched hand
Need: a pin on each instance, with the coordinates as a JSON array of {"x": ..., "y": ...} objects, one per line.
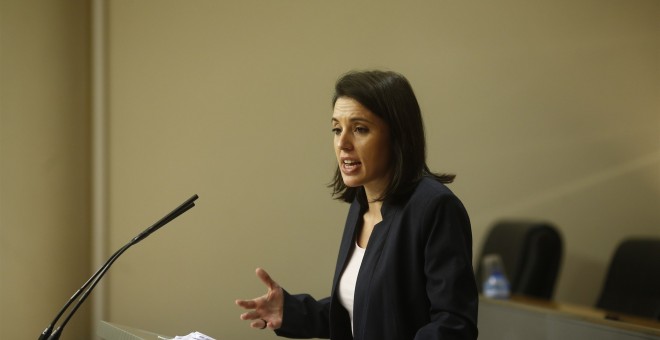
[{"x": 265, "y": 311}]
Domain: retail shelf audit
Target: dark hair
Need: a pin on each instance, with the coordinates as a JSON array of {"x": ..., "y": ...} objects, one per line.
[{"x": 389, "y": 96}]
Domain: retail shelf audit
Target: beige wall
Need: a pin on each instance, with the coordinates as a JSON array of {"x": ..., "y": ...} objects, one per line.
[
  {"x": 546, "y": 110},
  {"x": 44, "y": 164}
]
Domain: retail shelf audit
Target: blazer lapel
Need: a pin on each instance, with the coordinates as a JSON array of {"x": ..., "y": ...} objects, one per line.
[
  {"x": 347, "y": 241},
  {"x": 377, "y": 245}
]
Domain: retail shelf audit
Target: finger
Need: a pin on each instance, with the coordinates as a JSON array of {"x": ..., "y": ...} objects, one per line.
[
  {"x": 261, "y": 324},
  {"x": 247, "y": 304},
  {"x": 252, "y": 315},
  {"x": 265, "y": 278}
]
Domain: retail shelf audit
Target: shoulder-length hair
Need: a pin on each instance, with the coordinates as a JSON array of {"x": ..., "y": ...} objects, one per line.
[{"x": 389, "y": 96}]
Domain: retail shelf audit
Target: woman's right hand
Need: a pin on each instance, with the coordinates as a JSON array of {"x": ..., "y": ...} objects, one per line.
[{"x": 267, "y": 310}]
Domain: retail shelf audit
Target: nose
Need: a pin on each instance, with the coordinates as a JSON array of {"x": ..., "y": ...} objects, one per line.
[{"x": 343, "y": 141}]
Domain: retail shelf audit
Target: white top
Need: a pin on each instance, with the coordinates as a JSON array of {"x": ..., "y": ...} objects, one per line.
[{"x": 348, "y": 280}]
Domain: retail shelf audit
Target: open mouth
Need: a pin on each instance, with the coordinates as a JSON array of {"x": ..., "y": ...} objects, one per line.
[{"x": 350, "y": 164}]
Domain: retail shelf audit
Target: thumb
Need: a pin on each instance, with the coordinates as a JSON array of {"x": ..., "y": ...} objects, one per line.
[{"x": 266, "y": 279}]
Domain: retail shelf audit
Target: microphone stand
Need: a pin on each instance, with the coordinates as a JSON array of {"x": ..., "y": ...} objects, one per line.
[{"x": 48, "y": 333}]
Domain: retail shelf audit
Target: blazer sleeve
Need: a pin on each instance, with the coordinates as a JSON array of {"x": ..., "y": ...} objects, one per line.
[
  {"x": 450, "y": 286},
  {"x": 304, "y": 317}
]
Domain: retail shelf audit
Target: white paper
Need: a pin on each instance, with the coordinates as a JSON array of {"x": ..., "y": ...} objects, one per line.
[{"x": 193, "y": 336}]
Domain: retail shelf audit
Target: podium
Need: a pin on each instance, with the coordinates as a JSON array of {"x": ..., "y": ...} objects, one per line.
[
  {"x": 111, "y": 331},
  {"x": 521, "y": 318}
]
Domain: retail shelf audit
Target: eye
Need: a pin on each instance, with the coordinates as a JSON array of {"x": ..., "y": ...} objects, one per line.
[
  {"x": 336, "y": 131},
  {"x": 361, "y": 129}
]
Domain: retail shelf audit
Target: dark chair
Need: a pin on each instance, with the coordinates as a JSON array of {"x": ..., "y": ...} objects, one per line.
[
  {"x": 632, "y": 285},
  {"x": 531, "y": 254}
]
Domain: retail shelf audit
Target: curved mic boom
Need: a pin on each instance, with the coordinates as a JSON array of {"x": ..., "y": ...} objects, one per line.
[{"x": 86, "y": 289}]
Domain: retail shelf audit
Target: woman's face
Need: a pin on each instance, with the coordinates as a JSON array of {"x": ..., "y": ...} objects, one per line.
[{"x": 362, "y": 146}]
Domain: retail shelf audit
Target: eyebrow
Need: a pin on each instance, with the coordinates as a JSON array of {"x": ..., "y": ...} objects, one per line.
[{"x": 353, "y": 119}]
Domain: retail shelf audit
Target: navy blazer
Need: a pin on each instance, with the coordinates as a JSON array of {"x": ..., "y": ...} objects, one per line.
[{"x": 415, "y": 282}]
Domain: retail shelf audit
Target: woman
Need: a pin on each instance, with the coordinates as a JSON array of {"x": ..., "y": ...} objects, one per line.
[{"x": 404, "y": 269}]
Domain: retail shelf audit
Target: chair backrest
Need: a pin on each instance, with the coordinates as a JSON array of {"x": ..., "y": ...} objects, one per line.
[
  {"x": 531, "y": 252},
  {"x": 632, "y": 284}
]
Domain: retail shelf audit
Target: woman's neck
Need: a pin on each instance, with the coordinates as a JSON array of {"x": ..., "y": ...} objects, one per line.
[
  {"x": 370, "y": 218},
  {"x": 374, "y": 211}
]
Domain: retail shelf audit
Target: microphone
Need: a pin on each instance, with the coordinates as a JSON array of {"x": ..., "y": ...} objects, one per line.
[{"x": 86, "y": 289}]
